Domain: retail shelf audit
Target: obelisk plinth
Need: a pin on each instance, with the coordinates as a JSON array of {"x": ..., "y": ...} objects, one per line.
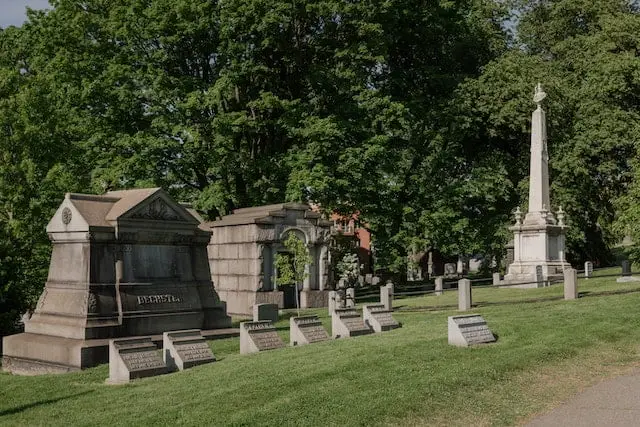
[{"x": 539, "y": 239}]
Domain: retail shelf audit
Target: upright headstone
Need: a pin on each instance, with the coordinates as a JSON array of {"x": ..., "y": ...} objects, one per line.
[
  {"x": 439, "y": 285},
  {"x": 469, "y": 330},
  {"x": 346, "y": 322},
  {"x": 184, "y": 349},
  {"x": 464, "y": 294},
  {"x": 265, "y": 312},
  {"x": 386, "y": 296},
  {"x": 496, "y": 278},
  {"x": 450, "y": 269},
  {"x": 333, "y": 295},
  {"x": 570, "y": 283},
  {"x": 378, "y": 318},
  {"x": 539, "y": 276},
  {"x": 258, "y": 336},
  {"x": 131, "y": 358},
  {"x": 351, "y": 297},
  {"x": 626, "y": 268},
  {"x": 375, "y": 280},
  {"x": 306, "y": 330},
  {"x": 588, "y": 269}
]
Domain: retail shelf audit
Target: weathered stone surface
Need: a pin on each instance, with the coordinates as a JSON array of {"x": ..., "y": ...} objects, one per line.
[
  {"x": 125, "y": 263},
  {"x": 439, "y": 281},
  {"x": 258, "y": 336},
  {"x": 378, "y": 318},
  {"x": 350, "y": 300},
  {"x": 496, "y": 278},
  {"x": 386, "y": 296},
  {"x": 570, "y": 283},
  {"x": 265, "y": 312},
  {"x": 346, "y": 322},
  {"x": 184, "y": 349},
  {"x": 464, "y": 294},
  {"x": 588, "y": 269},
  {"x": 131, "y": 358},
  {"x": 469, "y": 330},
  {"x": 306, "y": 330}
]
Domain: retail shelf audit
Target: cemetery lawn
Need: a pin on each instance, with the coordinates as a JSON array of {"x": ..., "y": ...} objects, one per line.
[{"x": 547, "y": 350}]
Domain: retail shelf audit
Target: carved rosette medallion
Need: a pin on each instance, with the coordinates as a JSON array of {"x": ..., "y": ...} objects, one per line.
[
  {"x": 66, "y": 216},
  {"x": 158, "y": 210}
]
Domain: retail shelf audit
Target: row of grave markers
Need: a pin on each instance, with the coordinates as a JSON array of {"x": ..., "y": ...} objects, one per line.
[{"x": 131, "y": 358}]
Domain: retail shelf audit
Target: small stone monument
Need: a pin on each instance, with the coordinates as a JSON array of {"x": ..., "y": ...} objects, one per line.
[
  {"x": 132, "y": 358},
  {"x": 588, "y": 269},
  {"x": 346, "y": 322},
  {"x": 350, "y": 300},
  {"x": 470, "y": 329},
  {"x": 570, "y": 283},
  {"x": 378, "y": 318},
  {"x": 306, "y": 330},
  {"x": 539, "y": 276},
  {"x": 184, "y": 349},
  {"x": 451, "y": 269},
  {"x": 258, "y": 336},
  {"x": 626, "y": 268},
  {"x": 464, "y": 294},
  {"x": 265, "y": 312},
  {"x": 496, "y": 278},
  {"x": 386, "y": 296},
  {"x": 439, "y": 282}
]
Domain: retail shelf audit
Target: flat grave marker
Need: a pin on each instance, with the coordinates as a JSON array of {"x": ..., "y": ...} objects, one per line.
[
  {"x": 306, "y": 330},
  {"x": 379, "y": 318},
  {"x": 259, "y": 336},
  {"x": 470, "y": 329},
  {"x": 184, "y": 349},
  {"x": 131, "y": 358},
  {"x": 346, "y": 322}
]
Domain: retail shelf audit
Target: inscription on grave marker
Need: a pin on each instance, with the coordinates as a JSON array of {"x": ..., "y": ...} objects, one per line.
[
  {"x": 347, "y": 322},
  {"x": 133, "y": 358},
  {"x": 258, "y": 336},
  {"x": 469, "y": 330},
  {"x": 184, "y": 349},
  {"x": 379, "y": 318},
  {"x": 306, "y": 330}
]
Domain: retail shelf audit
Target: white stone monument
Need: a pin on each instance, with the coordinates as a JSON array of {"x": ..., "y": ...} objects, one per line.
[{"x": 539, "y": 238}]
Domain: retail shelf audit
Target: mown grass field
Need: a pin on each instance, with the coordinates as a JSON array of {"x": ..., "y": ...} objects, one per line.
[{"x": 546, "y": 351}]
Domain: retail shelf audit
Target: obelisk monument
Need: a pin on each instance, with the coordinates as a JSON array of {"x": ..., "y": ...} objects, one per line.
[{"x": 539, "y": 239}]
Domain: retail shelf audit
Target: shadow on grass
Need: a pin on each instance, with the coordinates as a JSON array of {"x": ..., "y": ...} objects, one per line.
[
  {"x": 18, "y": 409},
  {"x": 583, "y": 294}
]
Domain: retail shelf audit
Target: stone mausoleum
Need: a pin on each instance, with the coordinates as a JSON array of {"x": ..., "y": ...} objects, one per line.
[
  {"x": 242, "y": 254},
  {"x": 125, "y": 263}
]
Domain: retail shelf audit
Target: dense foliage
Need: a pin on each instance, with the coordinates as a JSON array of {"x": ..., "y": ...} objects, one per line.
[{"x": 415, "y": 115}]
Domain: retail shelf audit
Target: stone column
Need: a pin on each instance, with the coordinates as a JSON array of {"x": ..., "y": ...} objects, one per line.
[
  {"x": 464, "y": 294},
  {"x": 386, "y": 296},
  {"x": 332, "y": 301},
  {"x": 570, "y": 283},
  {"x": 439, "y": 285}
]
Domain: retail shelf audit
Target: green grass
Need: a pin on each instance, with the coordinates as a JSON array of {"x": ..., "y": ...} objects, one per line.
[{"x": 546, "y": 350}]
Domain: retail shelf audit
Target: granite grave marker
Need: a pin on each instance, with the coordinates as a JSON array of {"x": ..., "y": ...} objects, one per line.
[
  {"x": 378, "y": 318},
  {"x": 470, "y": 329},
  {"x": 184, "y": 349},
  {"x": 346, "y": 322},
  {"x": 306, "y": 330},
  {"x": 258, "y": 336},
  {"x": 132, "y": 358}
]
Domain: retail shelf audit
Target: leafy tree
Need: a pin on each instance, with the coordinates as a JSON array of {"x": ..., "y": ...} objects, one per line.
[{"x": 293, "y": 268}]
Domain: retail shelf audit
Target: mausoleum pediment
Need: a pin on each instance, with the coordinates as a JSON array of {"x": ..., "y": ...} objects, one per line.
[{"x": 148, "y": 205}]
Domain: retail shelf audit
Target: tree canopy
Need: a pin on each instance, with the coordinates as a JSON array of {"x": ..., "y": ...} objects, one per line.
[{"x": 415, "y": 115}]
